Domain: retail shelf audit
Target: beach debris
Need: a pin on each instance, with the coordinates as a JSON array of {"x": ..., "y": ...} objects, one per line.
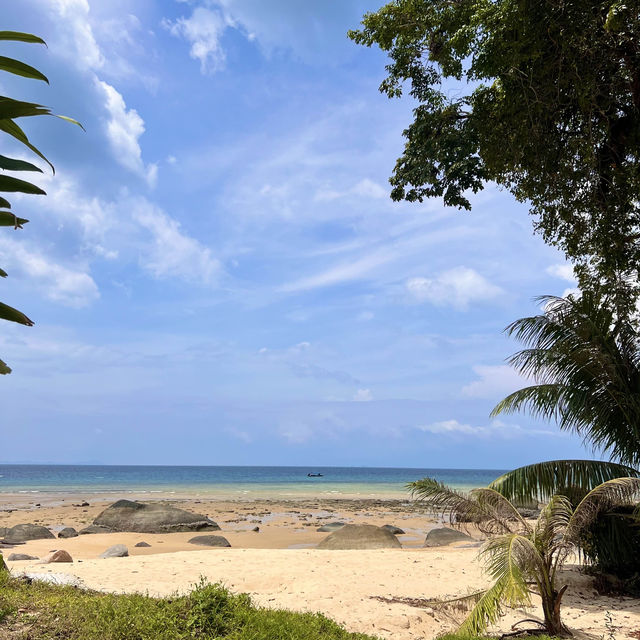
[
  {"x": 256, "y": 529},
  {"x": 210, "y": 541},
  {"x": 52, "y": 578},
  {"x": 24, "y": 532},
  {"x": 84, "y": 503},
  {"x": 115, "y": 551},
  {"x": 95, "y": 528},
  {"x": 56, "y": 556},
  {"x": 13, "y": 557},
  {"x": 360, "y": 536},
  {"x": 67, "y": 532},
  {"x": 397, "y": 531},
  {"x": 442, "y": 536},
  {"x": 142, "y": 544},
  {"x": 141, "y": 517},
  {"x": 331, "y": 527}
]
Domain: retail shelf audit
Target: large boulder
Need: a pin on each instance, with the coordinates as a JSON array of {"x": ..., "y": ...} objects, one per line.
[
  {"x": 24, "y": 532},
  {"x": 330, "y": 527},
  {"x": 360, "y": 536},
  {"x": 116, "y": 551},
  {"x": 68, "y": 532},
  {"x": 210, "y": 541},
  {"x": 442, "y": 536},
  {"x": 13, "y": 557},
  {"x": 142, "y": 517}
]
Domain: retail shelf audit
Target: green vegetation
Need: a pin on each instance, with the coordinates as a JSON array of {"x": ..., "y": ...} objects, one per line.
[
  {"x": 40, "y": 611},
  {"x": 586, "y": 365},
  {"x": 10, "y": 111},
  {"x": 542, "y": 98},
  {"x": 522, "y": 559}
]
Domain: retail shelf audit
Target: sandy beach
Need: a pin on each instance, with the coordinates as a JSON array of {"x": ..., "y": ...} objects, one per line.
[{"x": 373, "y": 591}]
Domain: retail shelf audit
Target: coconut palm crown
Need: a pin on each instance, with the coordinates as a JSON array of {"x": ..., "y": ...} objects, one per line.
[
  {"x": 522, "y": 558},
  {"x": 586, "y": 366}
]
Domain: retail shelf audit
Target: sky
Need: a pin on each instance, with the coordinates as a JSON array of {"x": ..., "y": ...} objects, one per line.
[{"x": 217, "y": 273}]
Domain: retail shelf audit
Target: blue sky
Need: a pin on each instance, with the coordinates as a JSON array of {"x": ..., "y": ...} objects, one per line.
[{"x": 217, "y": 273}]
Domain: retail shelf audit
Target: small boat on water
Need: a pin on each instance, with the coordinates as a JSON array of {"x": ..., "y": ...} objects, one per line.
[{"x": 314, "y": 475}]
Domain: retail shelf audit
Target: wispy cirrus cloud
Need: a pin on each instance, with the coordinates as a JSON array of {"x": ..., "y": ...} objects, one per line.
[{"x": 203, "y": 30}]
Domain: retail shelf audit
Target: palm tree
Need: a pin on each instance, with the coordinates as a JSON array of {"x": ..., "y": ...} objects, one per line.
[
  {"x": 522, "y": 559},
  {"x": 586, "y": 365}
]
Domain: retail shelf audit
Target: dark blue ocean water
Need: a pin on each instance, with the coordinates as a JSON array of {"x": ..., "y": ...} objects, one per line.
[{"x": 229, "y": 481}]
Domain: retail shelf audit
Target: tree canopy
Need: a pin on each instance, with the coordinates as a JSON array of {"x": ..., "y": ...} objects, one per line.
[{"x": 541, "y": 97}]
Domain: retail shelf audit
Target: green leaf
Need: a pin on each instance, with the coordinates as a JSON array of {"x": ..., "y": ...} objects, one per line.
[
  {"x": 4, "y": 369},
  {"x": 11, "y": 164},
  {"x": 10, "y": 108},
  {"x": 9, "y": 183},
  {"x": 8, "y": 219},
  {"x": 10, "y": 127},
  {"x": 21, "y": 69},
  {"x": 68, "y": 119},
  {"x": 5, "y": 204},
  {"x": 542, "y": 480},
  {"x": 13, "y": 315},
  {"x": 3, "y": 273},
  {"x": 17, "y": 36}
]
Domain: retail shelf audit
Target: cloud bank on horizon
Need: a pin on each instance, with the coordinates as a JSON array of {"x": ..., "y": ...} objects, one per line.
[{"x": 217, "y": 273}]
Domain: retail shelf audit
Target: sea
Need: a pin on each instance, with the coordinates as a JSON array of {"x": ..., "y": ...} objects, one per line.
[{"x": 232, "y": 482}]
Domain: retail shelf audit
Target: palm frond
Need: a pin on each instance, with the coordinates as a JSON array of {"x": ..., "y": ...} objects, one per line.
[
  {"x": 508, "y": 560},
  {"x": 586, "y": 367},
  {"x": 494, "y": 502},
  {"x": 542, "y": 480},
  {"x": 460, "y": 508},
  {"x": 616, "y": 492}
]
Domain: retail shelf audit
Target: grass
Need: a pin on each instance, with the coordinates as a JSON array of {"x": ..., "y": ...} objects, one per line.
[{"x": 38, "y": 611}]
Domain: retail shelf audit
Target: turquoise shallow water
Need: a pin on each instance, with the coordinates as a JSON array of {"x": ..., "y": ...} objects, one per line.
[{"x": 240, "y": 482}]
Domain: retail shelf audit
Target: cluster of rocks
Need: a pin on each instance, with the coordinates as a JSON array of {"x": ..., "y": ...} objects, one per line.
[
  {"x": 124, "y": 515},
  {"x": 367, "y": 536}
]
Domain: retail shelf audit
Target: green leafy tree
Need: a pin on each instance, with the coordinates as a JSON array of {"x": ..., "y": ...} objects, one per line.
[
  {"x": 10, "y": 111},
  {"x": 539, "y": 96},
  {"x": 522, "y": 559}
]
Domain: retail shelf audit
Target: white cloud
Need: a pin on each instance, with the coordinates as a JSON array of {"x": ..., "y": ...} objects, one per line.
[
  {"x": 171, "y": 252},
  {"x": 562, "y": 271},
  {"x": 495, "y": 429},
  {"x": 75, "y": 29},
  {"x": 363, "y": 395},
  {"x": 369, "y": 189},
  {"x": 337, "y": 275},
  {"x": 458, "y": 288},
  {"x": 203, "y": 30},
  {"x": 70, "y": 287},
  {"x": 124, "y": 128},
  {"x": 494, "y": 382}
]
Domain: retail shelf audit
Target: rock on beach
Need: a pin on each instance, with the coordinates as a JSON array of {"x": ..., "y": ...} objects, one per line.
[
  {"x": 26, "y": 532},
  {"x": 360, "y": 536},
  {"x": 115, "y": 551},
  {"x": 210, "y": 541},
  {"x": 442, "y": 536},
  {"x": 141, "y": 517}
]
